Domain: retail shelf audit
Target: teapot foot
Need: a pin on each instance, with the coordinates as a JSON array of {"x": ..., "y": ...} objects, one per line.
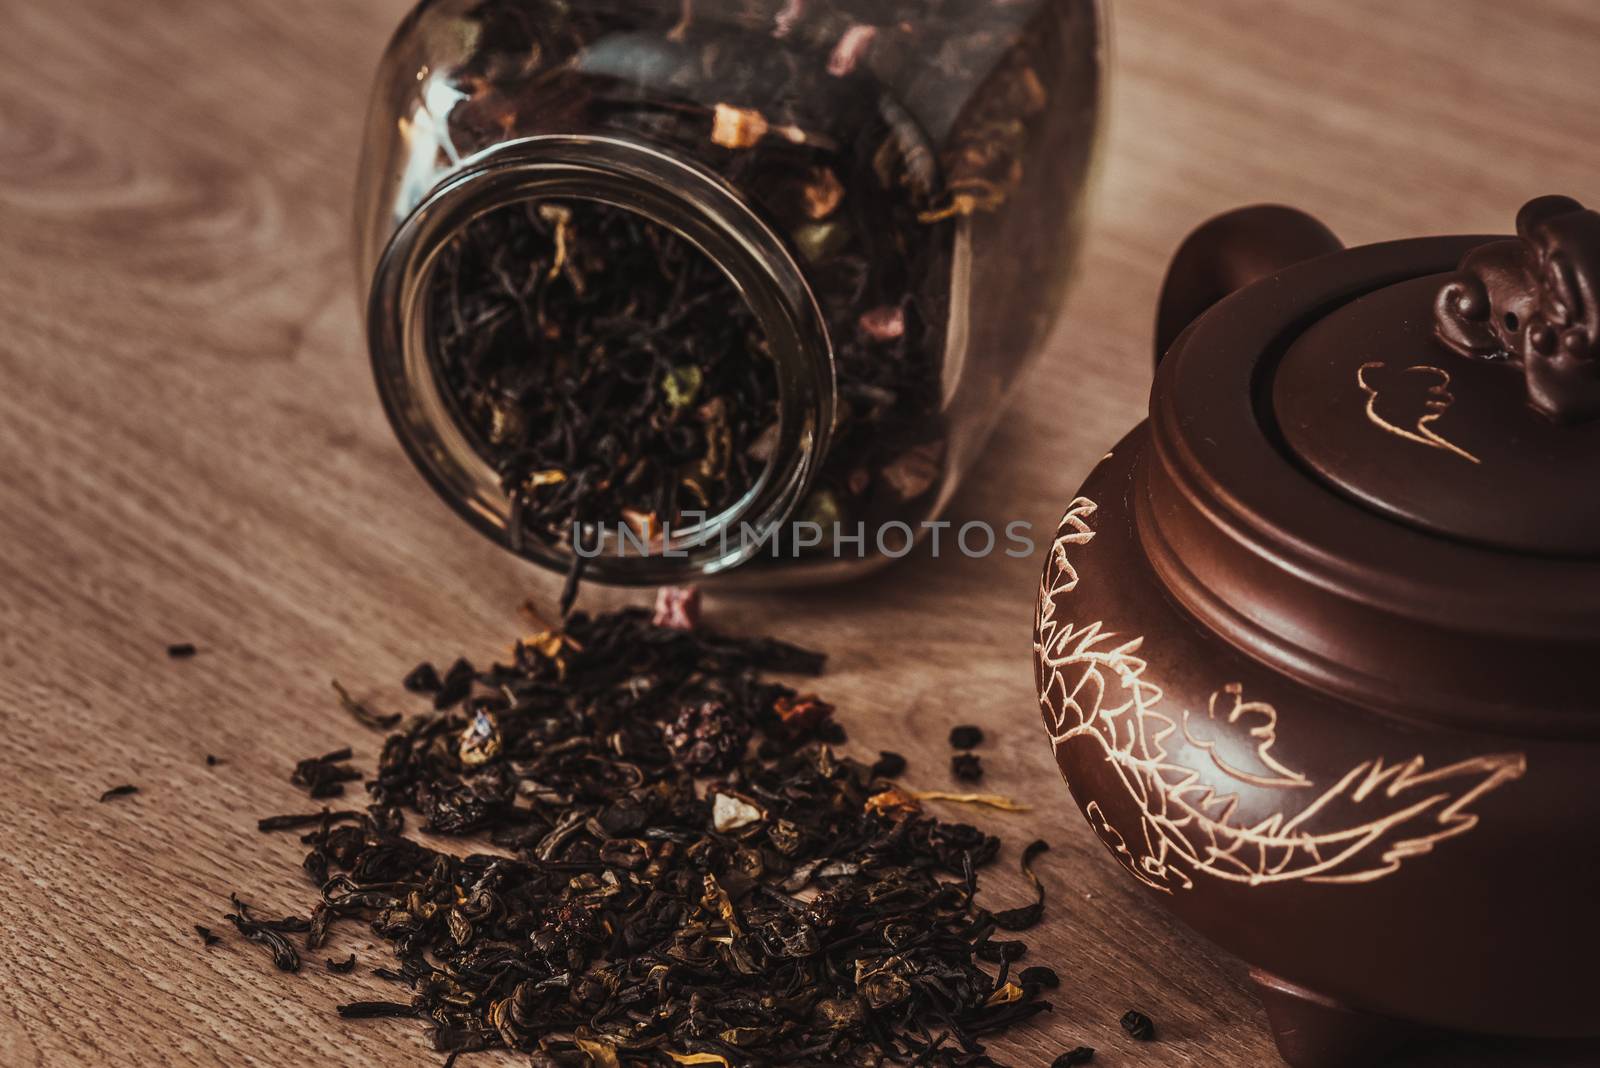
[{"x": 1313, "y": 1031}]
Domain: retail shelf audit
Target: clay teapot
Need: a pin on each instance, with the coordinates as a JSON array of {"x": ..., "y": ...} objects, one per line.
[{"x": 1317, "y": 644}]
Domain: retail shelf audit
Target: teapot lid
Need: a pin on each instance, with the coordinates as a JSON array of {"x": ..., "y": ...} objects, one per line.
[
  {"x": 1377, "y": 470},
  {"x": 1456, "y": 402}
]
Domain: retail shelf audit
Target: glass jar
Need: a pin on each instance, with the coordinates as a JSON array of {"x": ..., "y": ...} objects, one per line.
[{"x": 860, "y": 214}]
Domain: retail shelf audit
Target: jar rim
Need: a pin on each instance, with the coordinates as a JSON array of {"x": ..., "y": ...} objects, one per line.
[{"x": 687, "y": 199}]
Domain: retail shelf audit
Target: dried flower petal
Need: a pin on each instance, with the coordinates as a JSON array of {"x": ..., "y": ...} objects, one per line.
[
  {"x": 677, "y": 607},
  {"x": 823, "y": 193},
  {"x": 915, "y": 471},
  {"x": 733, "y": 127},
  {"x": 851, "y": 49},
  {"x": 729, "y": 813},
  {"x": 802, "y": 714},
  {"x": 480, "y": 742},
  {"x": 681, "y": 385},
  {"x": 893, "y": 802},
  {"x": 884, "y": 323}
]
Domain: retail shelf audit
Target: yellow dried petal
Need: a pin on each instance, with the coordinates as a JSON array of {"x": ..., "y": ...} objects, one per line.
[
  {"x": 893, "y": 802},
  {"x": 733, "y": 127},
  {"x": 1004, "y": 804},
  {"x": 1005, "y": 995},
  {"x": 698, "y": 1058}
]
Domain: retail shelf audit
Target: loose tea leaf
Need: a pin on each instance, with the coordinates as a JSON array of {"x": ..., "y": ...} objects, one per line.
[
  {"x": 206, "y": 935},
  {"x": 308, "y": 819},
  {"x": 1039, "y": 976},
  {"x": 325, "y": 776},
  {"x": 118, "y": 791},
  {"x": 1073, "y": 1057},
  {"x": 661, "y": 891},
  {"x": 181, "y": 650},
  {"x": 889, "y": 765},
  {"x": 341, "y": 967},
  {"x": 604, "y": 366},
  {"x": 371, "y": 1010},
  {"x": 362, "y": 713},
  {"x": 1023, "y": 918},
  {"x": 270, "y": 934},
  {"x": 424, "y": 678}
]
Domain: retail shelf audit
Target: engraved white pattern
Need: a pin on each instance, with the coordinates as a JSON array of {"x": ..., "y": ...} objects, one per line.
[
  {"x": 1360, "y": 828},
  {"x": 1438, "y": 401}
]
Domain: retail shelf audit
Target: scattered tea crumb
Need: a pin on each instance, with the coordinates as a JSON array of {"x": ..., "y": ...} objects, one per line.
[
  {"x": 1040, "y": 976},
  {"x": 1073, "y": 1057},
  {"x": 212, "y": 760},
  {"x": 341, "y": 967},
  {"x": 181, "y": 650},
  {"x": 372, "y": 1010},
  {"x": 966, "y": 737},
  {"x": 1138, "y": 1025},
  {"x": 206, "y": 935},
  {"x": 119, "y": 791},
  {"x": 297, "y": 821},
  {"x": 889, "y": 766},
  {"x": 424, "y": 678},
  {"x": 966, "y": 767}
]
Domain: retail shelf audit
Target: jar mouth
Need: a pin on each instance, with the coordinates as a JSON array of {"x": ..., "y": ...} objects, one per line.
[{"x": 670, "y": 192}]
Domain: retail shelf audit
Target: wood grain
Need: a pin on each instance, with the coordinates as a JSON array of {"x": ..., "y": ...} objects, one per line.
[{"x": 192, "y": 450}]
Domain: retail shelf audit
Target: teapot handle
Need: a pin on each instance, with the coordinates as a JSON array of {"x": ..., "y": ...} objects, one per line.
[{"x": 1230, "y": 252}]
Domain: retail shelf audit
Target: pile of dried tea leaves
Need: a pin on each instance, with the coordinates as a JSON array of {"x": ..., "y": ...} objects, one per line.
[
  {"x": 677, "y": 868},
  {"x": 609, "y": 371}
]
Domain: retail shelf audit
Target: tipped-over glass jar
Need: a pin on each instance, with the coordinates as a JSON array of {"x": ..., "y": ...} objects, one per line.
[{"x": 660, "y": 288}]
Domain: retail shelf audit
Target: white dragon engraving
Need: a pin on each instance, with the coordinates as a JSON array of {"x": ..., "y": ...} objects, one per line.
[{"x": 1357, "y": 829}]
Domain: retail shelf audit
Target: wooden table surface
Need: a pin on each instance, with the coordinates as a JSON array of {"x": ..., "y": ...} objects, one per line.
[{"x": 192, "y": 450}]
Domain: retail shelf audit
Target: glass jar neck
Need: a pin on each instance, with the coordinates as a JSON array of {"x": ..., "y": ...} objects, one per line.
[{"x": 673, "y": 193}]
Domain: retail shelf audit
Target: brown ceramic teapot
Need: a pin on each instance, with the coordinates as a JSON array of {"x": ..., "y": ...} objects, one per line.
[{"x": 1318, "y": 645}]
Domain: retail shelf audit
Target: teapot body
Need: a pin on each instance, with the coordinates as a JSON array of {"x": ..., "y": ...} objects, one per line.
[
  {"x": 1422, "y": 874},
  {"x": 1314, "y": 649}
]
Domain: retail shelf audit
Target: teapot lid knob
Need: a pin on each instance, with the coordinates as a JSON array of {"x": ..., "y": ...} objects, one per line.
[{"x": 1533, "y": 301}]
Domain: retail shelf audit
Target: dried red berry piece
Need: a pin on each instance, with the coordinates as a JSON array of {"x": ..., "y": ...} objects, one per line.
[
  {"x": 677, "y": 607},
  {"x": 706, "y": 738}
]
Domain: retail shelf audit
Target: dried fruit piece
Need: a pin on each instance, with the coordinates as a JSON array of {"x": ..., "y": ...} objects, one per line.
[
  {"x": 677, "y": 607},
  {"x": 706, "y": 738}
]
